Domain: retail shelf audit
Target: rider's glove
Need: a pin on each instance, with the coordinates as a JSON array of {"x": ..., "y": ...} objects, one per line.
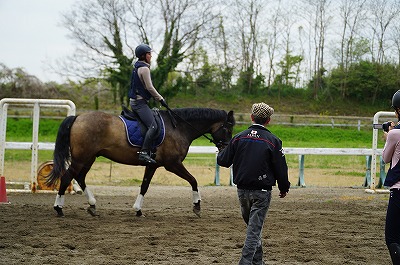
[{"x": 163, "y": 103}]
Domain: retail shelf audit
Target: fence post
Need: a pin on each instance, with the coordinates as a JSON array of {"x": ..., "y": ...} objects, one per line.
[
  {"x": 382, "y": 174},
  {"x": 231, "y": 176},
  {"x": 367, "y": 179},
  {"x": 301, "y": 181},
  {"x": 216, "y": 179}
]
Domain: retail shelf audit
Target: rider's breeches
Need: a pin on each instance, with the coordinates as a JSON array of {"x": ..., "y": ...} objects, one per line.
[
  {"x": 144, "y": 112},
  {"x": 146, "y": 116}
]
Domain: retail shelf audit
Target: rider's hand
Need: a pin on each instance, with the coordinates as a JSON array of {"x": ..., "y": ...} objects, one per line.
[
  {"x": 163, "y": 103},
  {"x": 385, "y": 136}
]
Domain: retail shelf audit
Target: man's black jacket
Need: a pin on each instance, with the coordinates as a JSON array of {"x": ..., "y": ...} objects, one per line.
[{"x": 257, "y": 158}]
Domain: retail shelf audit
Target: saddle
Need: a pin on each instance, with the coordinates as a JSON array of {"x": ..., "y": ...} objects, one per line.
[{"x": 135, "y": 129}]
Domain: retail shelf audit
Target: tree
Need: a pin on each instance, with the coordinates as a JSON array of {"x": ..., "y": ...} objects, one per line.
[
  {"x": 248, "y": 25},
  {"x": 352, "y": 13},
  {"x": 17, "y": 83},
  {"x": 222, "y": 45},
  {"x": 286, "y": 65},
  {"x": 108, "y": 30},
  {"x": 384, "y": 12},
  {"x": 272, "y": 42},
  {"x": 99, "y": 28},
  {"x": 320, "y": 18}
]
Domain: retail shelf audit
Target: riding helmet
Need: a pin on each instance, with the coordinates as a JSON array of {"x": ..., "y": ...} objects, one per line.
[
  {"x": 396, "y": 100},
  {"x": 142, "y": 49}
]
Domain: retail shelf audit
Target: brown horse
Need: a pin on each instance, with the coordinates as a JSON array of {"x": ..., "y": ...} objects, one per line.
[{"x": 82, "y": 138}]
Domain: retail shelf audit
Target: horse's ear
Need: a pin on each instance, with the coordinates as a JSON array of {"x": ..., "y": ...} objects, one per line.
[{"x": 230, "y": 117}]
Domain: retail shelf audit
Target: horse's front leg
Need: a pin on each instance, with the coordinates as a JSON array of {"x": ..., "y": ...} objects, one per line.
[
  {"x": 196, "y": 202},
  {"x": 179, "y": 169},
  {"x": 148, "y": 175}
]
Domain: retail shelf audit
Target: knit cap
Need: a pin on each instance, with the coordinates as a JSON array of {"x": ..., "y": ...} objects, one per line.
[{"x": 261, "y": 110}]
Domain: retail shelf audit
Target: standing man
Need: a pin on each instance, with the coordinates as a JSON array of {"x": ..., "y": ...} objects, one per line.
[
  {"x": 258, "y": 163},
  {"x": 391, "y": 153}
]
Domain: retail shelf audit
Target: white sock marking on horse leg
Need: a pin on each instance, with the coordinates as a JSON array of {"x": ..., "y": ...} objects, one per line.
[
  {"x": 59, "y": 201},
  {"x": 89, "y": 196},
  {"x": 196, "y": 196},
  {"x": 138, "y": 203}
]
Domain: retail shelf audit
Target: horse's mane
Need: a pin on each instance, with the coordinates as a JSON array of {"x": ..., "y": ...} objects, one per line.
[{"x": 193, "y": 114}]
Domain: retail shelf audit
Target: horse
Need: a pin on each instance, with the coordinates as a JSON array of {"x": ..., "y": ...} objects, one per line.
[{"x": 80, "y": 139}]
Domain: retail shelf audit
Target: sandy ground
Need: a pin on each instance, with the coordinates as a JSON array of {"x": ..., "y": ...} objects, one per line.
[{"x": 313, "y": 225}]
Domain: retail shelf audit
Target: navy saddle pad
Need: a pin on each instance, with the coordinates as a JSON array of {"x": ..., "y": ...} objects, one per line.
[{"x": 134, "y": 132}]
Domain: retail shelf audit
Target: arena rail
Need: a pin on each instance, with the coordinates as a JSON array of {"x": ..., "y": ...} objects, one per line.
[{"x": 368, "y": 153}]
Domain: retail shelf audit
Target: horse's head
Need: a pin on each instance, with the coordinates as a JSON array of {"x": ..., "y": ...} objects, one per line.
[{"x": 222, "y": 133}]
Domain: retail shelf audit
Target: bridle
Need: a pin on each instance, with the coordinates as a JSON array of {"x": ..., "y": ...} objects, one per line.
[{"x": 220, "y": 144}]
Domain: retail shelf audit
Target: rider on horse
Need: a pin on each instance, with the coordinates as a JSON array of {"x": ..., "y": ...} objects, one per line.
[{"x": 140, "y": 92}]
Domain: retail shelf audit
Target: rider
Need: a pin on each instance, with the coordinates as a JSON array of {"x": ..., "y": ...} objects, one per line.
[
  {"x": 140, "y": 92},
  {"x": 391, "y": 153}
]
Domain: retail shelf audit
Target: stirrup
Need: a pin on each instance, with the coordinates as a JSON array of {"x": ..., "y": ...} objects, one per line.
[{"x": 144, "y": 156}]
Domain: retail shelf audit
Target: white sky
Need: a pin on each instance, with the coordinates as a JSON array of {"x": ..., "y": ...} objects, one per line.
[{"x": 31, "y": 35}]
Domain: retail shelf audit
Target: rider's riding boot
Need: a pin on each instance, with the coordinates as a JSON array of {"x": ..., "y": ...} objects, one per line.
[
  {"x": 394, "y": 250},
  {"x": 144, "y": 154}
]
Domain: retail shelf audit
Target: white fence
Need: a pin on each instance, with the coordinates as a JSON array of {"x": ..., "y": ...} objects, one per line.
[
  {"x": 36, "y": 104},
  {"x": 369, "y": 153}
]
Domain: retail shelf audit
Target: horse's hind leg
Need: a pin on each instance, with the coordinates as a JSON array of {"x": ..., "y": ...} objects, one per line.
[
  {"x": 148, "y": 175},
  {"x": 80, "y": 178},
  {"x": 179, "y": 169},
  {"x": 60, "y": 197}
]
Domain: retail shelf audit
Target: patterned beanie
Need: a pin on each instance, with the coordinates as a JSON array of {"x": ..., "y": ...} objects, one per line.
[{"x": 261, "y": 110}]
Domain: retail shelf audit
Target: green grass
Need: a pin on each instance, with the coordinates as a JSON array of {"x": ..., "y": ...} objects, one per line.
[
  {"x": 313, "y": 137},
  {"x": 21, "y": 130}
]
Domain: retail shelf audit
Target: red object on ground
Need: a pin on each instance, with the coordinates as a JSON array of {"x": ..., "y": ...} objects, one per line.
[{"x": 3, "y": 192}]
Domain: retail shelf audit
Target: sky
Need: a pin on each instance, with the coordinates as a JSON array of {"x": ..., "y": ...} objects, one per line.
[{"x": 31, "y": 35}]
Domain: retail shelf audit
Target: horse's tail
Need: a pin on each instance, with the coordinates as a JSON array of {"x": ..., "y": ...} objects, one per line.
[{"x": 62, "y": 155}]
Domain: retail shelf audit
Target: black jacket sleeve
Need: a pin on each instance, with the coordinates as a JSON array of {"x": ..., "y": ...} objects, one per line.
[
  {"x": 225, "y": 157},
  {"x": 280, "y": 169}
]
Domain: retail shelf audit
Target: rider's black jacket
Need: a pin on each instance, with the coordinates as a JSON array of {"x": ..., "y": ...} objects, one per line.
[{"x": 257, "y": 158}]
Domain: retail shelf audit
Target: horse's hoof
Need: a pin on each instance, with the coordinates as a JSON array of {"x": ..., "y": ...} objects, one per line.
[
  {"x": 196, "y": 209},
  {"x": 59, "y": 211},
  {"x": 92, "y": 210},
  {"x": 139, "y": 214}
]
